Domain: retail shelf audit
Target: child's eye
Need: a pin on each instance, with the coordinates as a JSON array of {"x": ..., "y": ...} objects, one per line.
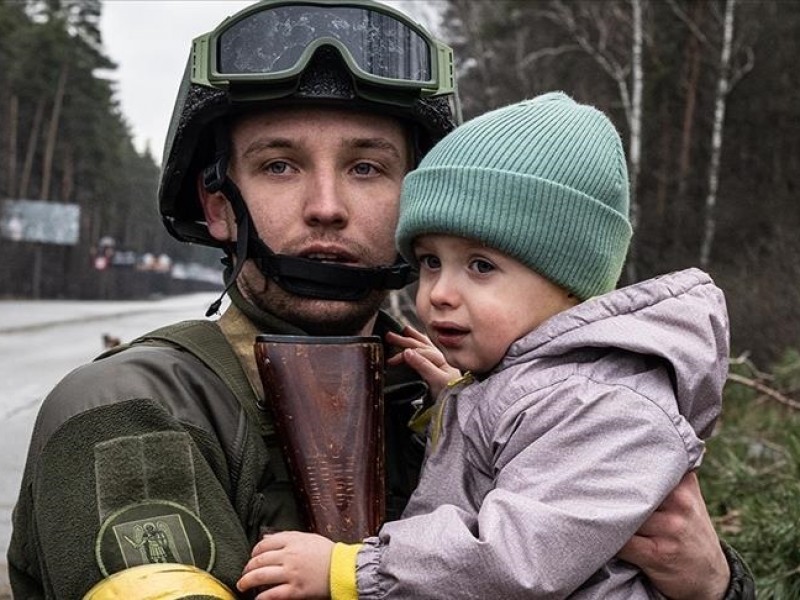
[
  {"x": 429, "y": 261},
  {"x": 481, "y": 266}
]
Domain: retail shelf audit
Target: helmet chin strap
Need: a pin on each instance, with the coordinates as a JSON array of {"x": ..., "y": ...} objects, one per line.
[{"x": 298, "y": 276}]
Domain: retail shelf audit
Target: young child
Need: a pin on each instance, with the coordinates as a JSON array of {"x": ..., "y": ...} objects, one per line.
[{"x": 581, "y": 406}]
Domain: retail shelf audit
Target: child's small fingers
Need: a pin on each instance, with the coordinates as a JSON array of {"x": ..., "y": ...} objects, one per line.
[
  {"x": 402, "y": 341},
  {"x": 272, "y": 541},
  {"x": 280, "y": 592},
  {"x": 415, "y": 333},
  {"x": 257, "y": 562},
  {"x": 431, "y": 354},
  {"x": 261, "y": 576},
  {"x": 436, "y": 359},
  {"x": 422, "y": 364},
  {"x": 395, "y": 360},
  {"x": 431, "y": 363}
]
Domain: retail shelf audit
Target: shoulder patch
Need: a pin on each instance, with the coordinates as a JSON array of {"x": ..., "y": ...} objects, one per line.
[{"x": 151, "y": 532}]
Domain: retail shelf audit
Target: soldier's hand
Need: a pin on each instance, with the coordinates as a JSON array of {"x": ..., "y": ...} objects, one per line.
[{"x": 678, "y": 548}]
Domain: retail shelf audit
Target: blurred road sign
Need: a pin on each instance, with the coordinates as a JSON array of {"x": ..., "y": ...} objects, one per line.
[{"x": 39, "y": 221}]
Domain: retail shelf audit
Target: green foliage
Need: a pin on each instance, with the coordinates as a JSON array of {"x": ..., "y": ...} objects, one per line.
[
  {"x": 787, "y": 371},
  {"x": 751, "y": 477}
]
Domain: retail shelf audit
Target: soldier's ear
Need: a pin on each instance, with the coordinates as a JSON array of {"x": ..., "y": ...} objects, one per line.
[{"x": 218, "y": 213}]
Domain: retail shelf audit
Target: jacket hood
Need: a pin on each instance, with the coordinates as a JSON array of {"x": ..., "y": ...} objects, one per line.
[{"x": 680, "y": 318}]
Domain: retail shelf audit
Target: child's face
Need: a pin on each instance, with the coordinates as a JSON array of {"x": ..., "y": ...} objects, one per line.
[{"x": 476, "y": 301}]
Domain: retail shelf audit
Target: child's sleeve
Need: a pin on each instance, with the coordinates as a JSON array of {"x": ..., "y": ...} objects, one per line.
[{"x": 343, "y": 572}]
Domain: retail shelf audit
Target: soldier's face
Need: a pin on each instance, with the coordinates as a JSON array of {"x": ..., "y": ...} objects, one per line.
[{"x": 322, "y": 184}]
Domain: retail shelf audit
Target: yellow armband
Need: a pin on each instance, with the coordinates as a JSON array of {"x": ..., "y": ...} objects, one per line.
[{"x": 343, "y": 571}]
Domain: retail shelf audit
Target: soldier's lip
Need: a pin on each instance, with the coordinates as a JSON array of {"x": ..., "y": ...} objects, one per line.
[{"x": 329, "y": 253}]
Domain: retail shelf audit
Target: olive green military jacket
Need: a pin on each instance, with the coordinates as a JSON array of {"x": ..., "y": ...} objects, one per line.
[{"x": 149, "y": 455}]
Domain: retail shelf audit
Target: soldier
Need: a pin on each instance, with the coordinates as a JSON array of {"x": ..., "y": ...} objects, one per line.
[{"x": 293, "y": 127}]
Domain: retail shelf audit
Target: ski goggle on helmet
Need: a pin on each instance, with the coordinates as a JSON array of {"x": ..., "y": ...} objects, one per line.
[
  {"x": 358, "y": 54},
  {"x": 273, "y": 42}
]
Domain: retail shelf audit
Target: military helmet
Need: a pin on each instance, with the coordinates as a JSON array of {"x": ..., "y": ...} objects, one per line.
[
  {"x": 354, "y": 53},
  {"x": 160, "y": 581}
]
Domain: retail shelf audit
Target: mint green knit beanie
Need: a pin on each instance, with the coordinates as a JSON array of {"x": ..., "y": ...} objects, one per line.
[{"x": 543, "y": 180}]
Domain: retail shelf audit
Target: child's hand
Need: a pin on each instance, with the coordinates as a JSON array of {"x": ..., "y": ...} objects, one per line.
[
  {"x": 289, "y": 564},
  {"x": 419, "y": 353}
]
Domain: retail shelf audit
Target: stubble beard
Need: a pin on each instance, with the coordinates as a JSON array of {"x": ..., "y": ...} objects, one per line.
[{"x": 312, "y": 315}]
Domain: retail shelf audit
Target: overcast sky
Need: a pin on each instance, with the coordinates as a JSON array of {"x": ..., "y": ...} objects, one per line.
[{"x": 149, "y": 40}]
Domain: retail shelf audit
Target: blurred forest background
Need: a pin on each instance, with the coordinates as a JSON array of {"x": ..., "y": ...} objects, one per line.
[
  {"x": 706, "y": 94},
  {"x": 64, "y": 141}
]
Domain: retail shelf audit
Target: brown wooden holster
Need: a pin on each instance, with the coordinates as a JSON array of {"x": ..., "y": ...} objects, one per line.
[{"x": 326, "y": 394}]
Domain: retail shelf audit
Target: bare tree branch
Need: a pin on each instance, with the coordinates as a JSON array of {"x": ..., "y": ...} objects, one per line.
[
  {"x": 739, "y": 72},
  {"x": 691, "y": 25},
  {"x": 744, "y": 360},
  {"x": 532, "y": 57},
  {"x": 764, "y": 389}
]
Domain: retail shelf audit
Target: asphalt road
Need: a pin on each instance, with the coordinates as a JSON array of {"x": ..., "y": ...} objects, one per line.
[{"x": 40, "y": 342}]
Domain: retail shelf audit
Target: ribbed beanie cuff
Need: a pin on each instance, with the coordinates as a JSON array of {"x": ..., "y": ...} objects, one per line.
[{"x": 544, "y": 181}]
